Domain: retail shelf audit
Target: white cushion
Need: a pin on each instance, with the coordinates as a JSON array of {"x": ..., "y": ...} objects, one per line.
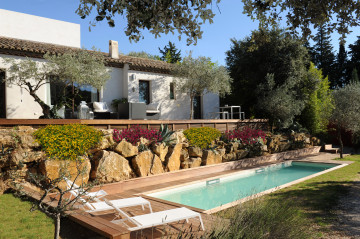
[{"x": 100, "y": 107}]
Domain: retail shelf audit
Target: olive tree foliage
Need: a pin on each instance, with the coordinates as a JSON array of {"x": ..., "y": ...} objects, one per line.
[
  {"x": 198, "y": 76},
  {"x": 143, "y": 54},
  {"x": 185, "y": 17},
  {"x": 279, "y": 103},
  {"x": 347, "y": 110},
  {"x": 81, "y": 67},
  {"x": 302, "y": 16}
]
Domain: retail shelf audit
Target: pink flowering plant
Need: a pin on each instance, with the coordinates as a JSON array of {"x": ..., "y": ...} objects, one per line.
[
  {"x": 246, "y": 136},
  {"x": 134, "y": 134}
]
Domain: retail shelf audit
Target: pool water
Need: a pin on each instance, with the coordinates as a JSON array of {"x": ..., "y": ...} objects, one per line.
[{"x": 217, "y": 192}]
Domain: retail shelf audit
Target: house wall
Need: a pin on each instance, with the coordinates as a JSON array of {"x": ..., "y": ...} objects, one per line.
[
  {"x": 114, "y": 87},
  {"x": 34, "y": 28},
  {"x": 19, "y": 103},
  {"x": 178, "y": 108}
]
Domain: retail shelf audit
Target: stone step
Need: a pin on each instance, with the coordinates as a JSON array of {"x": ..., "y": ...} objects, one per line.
[{"x": 327, "y": 146}]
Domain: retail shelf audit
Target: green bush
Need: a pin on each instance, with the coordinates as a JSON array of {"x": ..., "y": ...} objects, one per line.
[
  {"x": 202, "y": 137},
  {"x": 67, "y": 142}
]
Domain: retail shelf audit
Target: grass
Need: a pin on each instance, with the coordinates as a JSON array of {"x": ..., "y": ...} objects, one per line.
[{"x": 16, "y": 220}]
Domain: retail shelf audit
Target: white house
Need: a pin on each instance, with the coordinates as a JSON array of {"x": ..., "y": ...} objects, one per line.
[{"x": 137, "y": 79}]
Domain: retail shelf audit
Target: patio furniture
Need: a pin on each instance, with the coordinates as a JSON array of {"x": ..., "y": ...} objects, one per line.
[
  {"x": 101, "y": 110},
  {"x": 119, "y": 203},
  {"x": 153, "y": 111},
  {"x": 132, "y": 110},
  {"x": 76, "y": 191},
  {"x": 221, "y": 114},
  {"x": 232, "y": 112},
  {"x": 156, "y": 218}
]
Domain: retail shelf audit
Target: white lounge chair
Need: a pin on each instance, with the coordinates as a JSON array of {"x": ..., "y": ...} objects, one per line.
[
  {"x": 156, "y": 218},
  {"x": 76, "y": 190},
  {"x": 118, "y": 203}
]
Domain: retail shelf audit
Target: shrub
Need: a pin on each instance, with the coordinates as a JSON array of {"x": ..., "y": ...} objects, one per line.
[
  {"x": 134, "y": 134},
  {"x": 202, "y": 137},
  {"x": 247, "y": 136},
  {"x": 67, "y": 142}
]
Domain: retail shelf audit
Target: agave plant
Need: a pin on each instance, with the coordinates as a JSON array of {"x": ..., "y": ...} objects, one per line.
[{"x": 166, "y": 133}]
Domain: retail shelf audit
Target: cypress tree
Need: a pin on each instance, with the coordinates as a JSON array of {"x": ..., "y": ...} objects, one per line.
[
  {"x": 354, "y": 63},
  {"x": 340, "y": 67},
  {"x": 170, "y": 53}
]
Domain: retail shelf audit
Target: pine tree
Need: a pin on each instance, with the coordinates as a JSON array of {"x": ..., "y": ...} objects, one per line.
[
  {"x": 324, "y": 57},
  {"x": 354, "y": 63},
  {"x": 340, "y": 67},
  {"x": 170, "y": 53},
  {"x": 354, "y": 76}
]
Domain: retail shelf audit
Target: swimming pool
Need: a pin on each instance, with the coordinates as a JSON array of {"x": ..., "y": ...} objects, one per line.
[{"x": 221, "y": 191}]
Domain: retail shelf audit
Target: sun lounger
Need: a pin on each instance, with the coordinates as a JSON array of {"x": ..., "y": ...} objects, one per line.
[
  {"x": 76, "y": 191},
  {"x": 118, "y": 203},
  {"x": 156, "y": 218}
]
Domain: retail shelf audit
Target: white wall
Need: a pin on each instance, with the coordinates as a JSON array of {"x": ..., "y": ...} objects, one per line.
[
  {"x": 19, "y": 103},
  {"x": 179, "y": 108},
  {"x": 114, "y": 87},
  {"x": 34, "y": 28}
]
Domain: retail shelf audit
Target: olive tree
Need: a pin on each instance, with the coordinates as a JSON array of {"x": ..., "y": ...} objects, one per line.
[
  {"x": 347, "y": 110},
  {"x": 186, "y": 17},
  {"x": 198, "y": 76},
  {"x": 81, "y": 67}
]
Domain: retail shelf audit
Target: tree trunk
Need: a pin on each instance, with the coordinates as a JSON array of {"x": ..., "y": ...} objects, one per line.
[
  {"x": 191, "y": 107},
  {"x": 57, "y": 226},
  {"x": 340, "y": 141},
  {"x": 45, "y": 108}
]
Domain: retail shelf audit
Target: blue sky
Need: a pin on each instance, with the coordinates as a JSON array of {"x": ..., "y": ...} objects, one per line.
[{"x": 230, "y": 23}]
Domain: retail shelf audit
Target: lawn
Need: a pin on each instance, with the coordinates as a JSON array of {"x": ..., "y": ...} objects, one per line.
[
  {"x": 16, "y": 220},
  {"x": 314, "y": 199}
]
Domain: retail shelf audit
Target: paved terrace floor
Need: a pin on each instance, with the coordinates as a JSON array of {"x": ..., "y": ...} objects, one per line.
[{"x": 100, "y": 222}]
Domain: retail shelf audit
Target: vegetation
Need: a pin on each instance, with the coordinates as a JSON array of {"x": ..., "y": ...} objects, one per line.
[
  {"x": 268, "y": 62},
  {"x": 136, "y": 132},
  {"x": 143, "y": 54},
  {"x": 170, "y": 53},
  {"x": 67, "y": 142},
  {"x": 202, "y": 137},
  {"x": 347, "y": 110},
  {"x": 198, "y": 76},
  {"x": 336, "y": 15},
  {"x": 158, "y": 17},
  {"x": 247, "y": 135},
  {"x": 320, "y": 105}
]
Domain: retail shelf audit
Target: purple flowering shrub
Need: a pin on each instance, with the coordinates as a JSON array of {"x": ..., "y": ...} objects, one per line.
[
  {"x": 134, "y": 134},
  {"x": 247, "y": 136}
]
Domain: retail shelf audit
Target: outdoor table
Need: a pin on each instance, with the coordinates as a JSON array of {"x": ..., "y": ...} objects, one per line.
[{"x": 232, "y": 107}]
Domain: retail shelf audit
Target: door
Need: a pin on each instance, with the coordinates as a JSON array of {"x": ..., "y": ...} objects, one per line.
[
  {"x": 144, "y": 91},
  {"x": 197, "y": 107},
  {"x": 2, "y": 95}
]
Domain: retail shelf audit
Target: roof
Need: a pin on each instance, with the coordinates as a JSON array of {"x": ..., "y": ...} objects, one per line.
[{"x": 18, "y": 47}]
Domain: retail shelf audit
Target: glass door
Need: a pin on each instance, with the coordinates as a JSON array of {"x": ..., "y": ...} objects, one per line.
[
  {"x": 197, "y": 107},
  {"x": 144, "y": 91}
]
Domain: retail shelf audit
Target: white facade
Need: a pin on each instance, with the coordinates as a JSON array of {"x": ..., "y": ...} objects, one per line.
[{"x": 34, "y": 28}]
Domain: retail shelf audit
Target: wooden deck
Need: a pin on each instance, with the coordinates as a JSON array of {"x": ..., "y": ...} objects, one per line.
[{"x": 219, "y": 124}]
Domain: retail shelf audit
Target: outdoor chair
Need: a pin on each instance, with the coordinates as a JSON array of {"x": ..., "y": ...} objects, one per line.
[
  {"x": 118, "y": 203},
  {"x": 153, "y": 111},
  {"x": 76, "y": 191},
  {"x": 156, "y": 218}
]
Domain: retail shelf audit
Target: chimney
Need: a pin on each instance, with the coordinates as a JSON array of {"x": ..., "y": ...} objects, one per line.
[{"x": 113, "y": 49}]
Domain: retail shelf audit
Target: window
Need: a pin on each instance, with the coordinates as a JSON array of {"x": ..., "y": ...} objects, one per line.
[
  {"x": 172, "y": 91},
  {"x": 144, "y": 91}
]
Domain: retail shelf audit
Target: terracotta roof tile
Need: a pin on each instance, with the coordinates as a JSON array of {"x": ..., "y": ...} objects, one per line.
[{"x": 12, "y": 46}]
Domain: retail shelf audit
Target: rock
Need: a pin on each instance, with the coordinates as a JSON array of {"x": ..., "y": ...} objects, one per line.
[
  {"x": 283, "y": 146},
  {"x": 25, "y": 155},
  {"x": 307, "y": 140},
  {"x": 241, "y": 154},
  {"x": 178, "y": 137},
  {"x": 160, "y": 150},
  {"x": 26, "y": 138},
  {"x": 110, "y": 167},
  {"x": 126, "y": 149},
  {"x": 231, "y": 147},
  {"x": 315, "y": 141},
  {"x": 173, "y": 158},
  {"x": 107, "y": 132},
  {"x": 147, "y": 163},
  {"x": 184, "y": 155},
  {"x": 211, "y": 157},
  {"x": 195, "y": 152},
  {"x": 229, "y": 157},
  {"x": 105, "y": 143},
  {"x": 50, "y": 169},
  {"x": 221, "y": 151},
  {"x": 264, "y": 148},
  {"x": 191, "y": 163}
]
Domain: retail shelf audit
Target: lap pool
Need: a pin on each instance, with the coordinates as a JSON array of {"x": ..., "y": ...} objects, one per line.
[{"x": 216, "y": 192}]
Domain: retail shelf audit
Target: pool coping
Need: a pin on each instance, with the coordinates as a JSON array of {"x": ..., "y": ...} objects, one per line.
[{"x": 234, "y": 203}]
